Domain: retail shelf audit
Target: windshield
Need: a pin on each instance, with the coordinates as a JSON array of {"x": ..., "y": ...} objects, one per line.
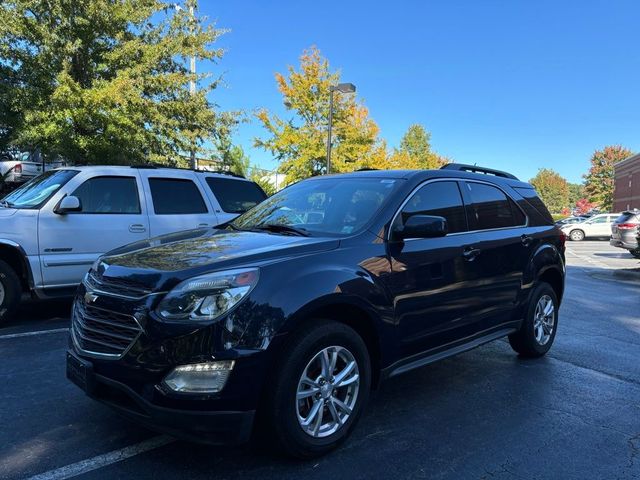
[
  {"x": 36, "y": 192},
  {"x": 334, "y": 206}
]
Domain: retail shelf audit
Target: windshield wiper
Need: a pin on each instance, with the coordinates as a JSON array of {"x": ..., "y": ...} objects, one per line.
[{"x": 278, "y": 228}]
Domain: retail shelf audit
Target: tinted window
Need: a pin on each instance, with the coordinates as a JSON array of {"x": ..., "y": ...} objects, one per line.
[
  {"x": 533, "y": 199},
  {"x": 599, "y": 220},
  {"x": 172, "y": 196},
  {"x": 491, "y": 208},
  {"x": 439, "y": 198},
  {"x": 627, "y": 217},
  {"x": 235, "y": 196},
  {"x": 109, "y": 195}
]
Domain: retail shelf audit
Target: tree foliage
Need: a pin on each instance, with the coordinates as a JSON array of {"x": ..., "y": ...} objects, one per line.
[
  {"x": 105, "y": 81},
  {"x": 299, "y": 143},
  {"x": 553, "y": 189},
  {"x": 576, "y": 192},
  {"x": 584, "y": 206},
  {"x": 598, "y": 185}
]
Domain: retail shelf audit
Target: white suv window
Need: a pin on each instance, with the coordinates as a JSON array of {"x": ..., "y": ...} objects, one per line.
[
  {"x": 114, "y": 195},
  {"x": 176, "y": 196}
]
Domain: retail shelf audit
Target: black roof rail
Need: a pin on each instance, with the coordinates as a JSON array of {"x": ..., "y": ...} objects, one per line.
[
  {"x": 153, "y": 166},
  {"x": 366, "y": 169},
  {"x": 461, "y": 167}
]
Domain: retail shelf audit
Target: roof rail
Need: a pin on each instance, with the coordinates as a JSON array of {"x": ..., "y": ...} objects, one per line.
[
  {"x": 222, "y": 172},
  {"x": 153, "y": 166},
  {"x": 366, "y": 169},
  {"x": 475, "y": 169}
]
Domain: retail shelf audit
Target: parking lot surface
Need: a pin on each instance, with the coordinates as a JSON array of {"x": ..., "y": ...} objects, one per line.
[{"x": 485, "y": 414}]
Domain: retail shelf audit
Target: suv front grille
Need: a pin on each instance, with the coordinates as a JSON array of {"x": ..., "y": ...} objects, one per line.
[
  {"x": 115, "y": 287},
  {"x": 101, "y": 332}
]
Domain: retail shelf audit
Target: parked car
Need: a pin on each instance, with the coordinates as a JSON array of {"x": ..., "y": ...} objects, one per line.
[
  {"x": 598, "y": 226},
  {"x": 18, "y": 169},
  {"x": 571, "y": 220},
  {"x": 54, "y": 227},
  {"x": 296, "y": 309},
  {"x": 625, "y": 231}
]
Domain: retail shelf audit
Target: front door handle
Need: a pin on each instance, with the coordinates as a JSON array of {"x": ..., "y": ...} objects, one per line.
[
  {"x": 470, "y": 253},
  {"x": 203, "y": 225},
  {"x": 526, "y": 240},
  {"x": 137, "y": 228}
]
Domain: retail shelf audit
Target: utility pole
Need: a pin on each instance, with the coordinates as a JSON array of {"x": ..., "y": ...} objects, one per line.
[{"x": 192, "y": 88}]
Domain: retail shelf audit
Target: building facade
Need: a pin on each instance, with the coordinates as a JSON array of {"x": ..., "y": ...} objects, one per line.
[{"x": 626, "y": 194}]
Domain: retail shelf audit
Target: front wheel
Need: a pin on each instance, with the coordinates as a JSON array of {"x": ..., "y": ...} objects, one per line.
[
  {"x": 10, "y": 291},
  {"x": 576, "y": 235},
  {"x": 539, "y": 327},
  {"x": 320, "y": 388}
]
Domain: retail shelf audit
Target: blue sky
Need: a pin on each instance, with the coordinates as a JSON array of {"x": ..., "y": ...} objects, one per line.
[{"x": 515, "y": 85}]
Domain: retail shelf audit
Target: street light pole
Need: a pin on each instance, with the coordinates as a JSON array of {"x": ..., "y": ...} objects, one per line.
[
  {"x": 192, "y": 90},
  {"x": 343, "y": 88}
]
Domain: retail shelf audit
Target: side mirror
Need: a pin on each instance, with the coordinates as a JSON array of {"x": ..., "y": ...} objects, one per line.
[
  {"x": 421, "y": 226},
  {"x": 68, "y": 204}
]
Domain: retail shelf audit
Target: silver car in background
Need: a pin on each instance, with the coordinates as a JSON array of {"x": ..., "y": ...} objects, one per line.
[{"x": 625, "y": 231}]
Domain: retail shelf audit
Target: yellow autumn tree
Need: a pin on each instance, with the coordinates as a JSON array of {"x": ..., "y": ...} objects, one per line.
[{"x": 299, "y": 142}]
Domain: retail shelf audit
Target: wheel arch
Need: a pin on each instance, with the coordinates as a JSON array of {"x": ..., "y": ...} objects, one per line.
[{"x": 13, "y": 254}]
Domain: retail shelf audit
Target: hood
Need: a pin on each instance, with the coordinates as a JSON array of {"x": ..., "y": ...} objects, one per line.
[
  {"x": 7, "y": 212},
  {"x": 186, "y": 254}
]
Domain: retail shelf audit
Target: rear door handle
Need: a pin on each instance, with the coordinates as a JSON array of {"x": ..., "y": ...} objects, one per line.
[
  {"x": 470, "y": 253},
  {"x": 526, "y": 240},
  {"x": 137, "y": 228}
]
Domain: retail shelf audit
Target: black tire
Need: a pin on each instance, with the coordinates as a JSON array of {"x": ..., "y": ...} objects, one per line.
[
  {"x": 576, "y": 235},
  {"x": 635, "y": 253},
  {"x": 280, "y": 411},
  {"x": 10, "y": 291},
  {"x": 524, "y": 341}
]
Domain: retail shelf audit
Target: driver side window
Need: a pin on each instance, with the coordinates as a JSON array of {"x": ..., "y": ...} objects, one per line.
[
  {"x": 114, "y": 195},
  {"x": 442, "y": 199}
]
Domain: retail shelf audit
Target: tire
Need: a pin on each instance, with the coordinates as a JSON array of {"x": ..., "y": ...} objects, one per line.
[
  {"x": 576, "y": 235},
  {"x": 284, "y": 412},
  {"x": 534, "y": 339},
  {"x": 635, "y": 253},
  {"x": 10, "y": 291}
]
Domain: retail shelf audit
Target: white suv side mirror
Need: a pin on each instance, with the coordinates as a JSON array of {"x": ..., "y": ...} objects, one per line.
[{"x": 68, "y": 204}]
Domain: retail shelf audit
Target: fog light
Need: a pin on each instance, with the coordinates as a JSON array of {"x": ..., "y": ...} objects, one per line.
[{"x": 199, "y": 377}]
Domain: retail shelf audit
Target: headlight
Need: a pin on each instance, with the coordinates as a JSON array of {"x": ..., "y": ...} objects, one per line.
[{"x": 206, "y": 297}]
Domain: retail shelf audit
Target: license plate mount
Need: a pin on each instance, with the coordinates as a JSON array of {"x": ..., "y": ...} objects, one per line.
[{"x": 80, "y": 372}]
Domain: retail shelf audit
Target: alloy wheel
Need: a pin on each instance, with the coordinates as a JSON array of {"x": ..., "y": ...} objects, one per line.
[
  {"x": 544, "y": 319},
  {"x": 2, "y": 294},
  {"x": 327, "y": 391}
]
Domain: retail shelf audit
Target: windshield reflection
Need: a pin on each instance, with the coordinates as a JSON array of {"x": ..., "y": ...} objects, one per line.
[{"x": 333, "y": 206}]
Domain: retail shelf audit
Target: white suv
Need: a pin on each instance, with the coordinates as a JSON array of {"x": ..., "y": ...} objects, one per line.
[
  {"x": 596, "y": 226},
  {"x": 54, "y": 227}
]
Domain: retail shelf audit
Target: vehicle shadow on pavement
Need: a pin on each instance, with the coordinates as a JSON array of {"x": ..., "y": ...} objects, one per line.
[{"x": 36, "y": 314}]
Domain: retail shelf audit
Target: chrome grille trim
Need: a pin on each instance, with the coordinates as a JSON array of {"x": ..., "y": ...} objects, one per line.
[
  {"x": 103, "y": 333},
  {"x": 117, "y": 289}
]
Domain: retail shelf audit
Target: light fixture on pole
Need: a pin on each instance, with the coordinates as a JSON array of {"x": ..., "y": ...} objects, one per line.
[{"x": 342, "y": 88}]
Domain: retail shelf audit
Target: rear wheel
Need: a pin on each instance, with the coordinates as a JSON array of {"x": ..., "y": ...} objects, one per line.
[
  {"x": 538, "y": 330},
  {"x": 576, "y": 235},
  {"x": 10, "y": 291},
  {"x": 635, "y": 253},
  {"x": 320, "y": 388}
]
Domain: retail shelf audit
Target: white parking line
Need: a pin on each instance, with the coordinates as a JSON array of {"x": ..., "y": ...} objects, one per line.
[
  {"x": 103, "y": 460},
  {"x": 30, "y": 334}
]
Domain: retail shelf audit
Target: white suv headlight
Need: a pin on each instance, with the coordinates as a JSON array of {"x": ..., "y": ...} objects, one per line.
[{"x": 205, "y": 298}]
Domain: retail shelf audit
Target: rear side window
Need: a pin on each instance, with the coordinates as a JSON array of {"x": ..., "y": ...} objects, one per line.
[
  {"x": 173, "y": 196},
  {"x": 115, "y": 195},
  {"x": 491, "y": 208},
  {"x": 533, "y": 199},
  {"x": 442, "y": 199},
  {"x": 235, "y": 196},
  {"x": 628, "y": 217}
]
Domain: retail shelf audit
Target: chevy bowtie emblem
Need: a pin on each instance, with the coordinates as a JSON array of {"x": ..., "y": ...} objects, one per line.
[{"x": 90, "y": 297}]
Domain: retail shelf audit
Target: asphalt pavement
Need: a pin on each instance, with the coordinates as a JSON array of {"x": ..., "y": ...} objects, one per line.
[{"x": 485, "y": 414}]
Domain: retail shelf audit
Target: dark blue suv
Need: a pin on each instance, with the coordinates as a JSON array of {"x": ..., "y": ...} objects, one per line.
[{"x": 285, "y": 318}]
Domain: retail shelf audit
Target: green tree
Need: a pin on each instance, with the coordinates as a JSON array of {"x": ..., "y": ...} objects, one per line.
[
  {"x": 576, "y": 192},
  {"x": 299, "y": 143},
  {"x": 416, "y": 144},
  {"x": 598, "y": 184},
  {"x": 105, "y": 81},
  {"x": 553, "y": 189}
]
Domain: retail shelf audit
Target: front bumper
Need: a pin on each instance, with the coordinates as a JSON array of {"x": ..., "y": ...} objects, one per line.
[{"x": 221, "y": 427}]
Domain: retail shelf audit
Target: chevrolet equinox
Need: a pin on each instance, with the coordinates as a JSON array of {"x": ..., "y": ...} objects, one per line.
[{"x": 285, "y": 318}]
